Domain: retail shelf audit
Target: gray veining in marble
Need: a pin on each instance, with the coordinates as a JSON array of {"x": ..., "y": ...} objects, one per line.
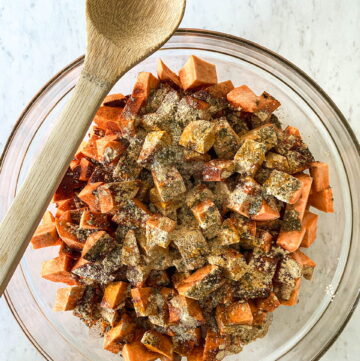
[{"x": 39, "y": 37}]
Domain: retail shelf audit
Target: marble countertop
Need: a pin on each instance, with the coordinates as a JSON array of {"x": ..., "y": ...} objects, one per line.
[{"x": 39, "y": 37}]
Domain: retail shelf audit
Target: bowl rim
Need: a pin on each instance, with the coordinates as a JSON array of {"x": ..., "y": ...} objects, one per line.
[{"x": 209, "y": 34}]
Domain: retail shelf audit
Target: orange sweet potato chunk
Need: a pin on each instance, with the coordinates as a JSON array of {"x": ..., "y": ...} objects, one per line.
[
  {"x": 310, "y": 222},
  {"x": 157, "y": 342},
  {"x": 197, "y": 72},
  {"x": 214, "y": 344},
  {"x": 94, "y": 220},
  {"x": 66, "y": 233},
  {"x": 266, "y": 213},
  {"x": 88, "y": 195},
  {"x": 86, "y": 169},
  {"x": 67, "y": 298},
  {"x": 58, "y": 270},
  {"x": 165, "y": 74},
  {"x": 115, "y": 294},
  {"x": 267, "y": 103},
  {"x": 108, "y": 118},
  {"x": 244, "y": 98},
  {"x": 300, "y": 205},
  {"x": 323, "y": 200},
  {"x": 136, "y": 351},
  {"x": 116, "y": 100},
  {"x": 268, "y": 304},
  {"x": 291, "y": 240},
  {"x": 293, "y": 300},
  {"x": 45, "y": 236},
  {"x": 220, "y": 90},
  {"x": 320, "y": 172},
  {"x": 196, "y": 354},
  {"x": 306, "y": 263},
  {"x": 141, "y": 297},
  {"x": 47, "y": 218},
  {"x": 238, "y": 313}
]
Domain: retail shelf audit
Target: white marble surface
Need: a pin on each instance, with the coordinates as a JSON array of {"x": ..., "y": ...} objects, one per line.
[{"x": 39, "y": 37}]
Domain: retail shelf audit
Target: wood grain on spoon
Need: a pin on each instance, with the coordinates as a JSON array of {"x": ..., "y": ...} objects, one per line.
[{"x": 120, "y": 33}]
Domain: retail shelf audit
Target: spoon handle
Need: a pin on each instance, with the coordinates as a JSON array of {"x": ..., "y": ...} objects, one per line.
[{"x": 31, "y": 201}]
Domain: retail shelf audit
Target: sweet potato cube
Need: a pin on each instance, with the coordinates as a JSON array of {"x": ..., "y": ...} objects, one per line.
[
  {"x": 266, "y": 134},
  {"x": 192, "y": 246},
  {"x": 243, "y": 97},
  {"x": 142, "y": 300},
  {"x": 67, "y": 232},
  {"x": 157, "y": 342},
  {"x": 132, "y": 213},
  {"x": 168, "y": 182},
  {"x": 202, "y": 282},
  {"x": 108, "y": 118},
  {"x": 322, "y": 200},
  {"x": 276, "y": 161},
  {"x": 238, "y": 313},
  {"x": 198, "y": 194},
  {"x": 167, "y": 209},
  {"x": 291, "y": 240},
  {"x": 97, "y": 245},
  {"x": 283, "y": 186},
  {"x": 306, "y": 263},
  {"x": 119, "y": 335},
  {"x": 86, "y": 169},
  {"x": 197, "y": 72},
  {"x": 130, "y": 253},
  {"x": 246, "y": 198},
  {"x": 67, "y": 298},
  {"x": 89, "y": 195},
  {"x": 64, "y": 206},
  {"x": 110, "y": 195},
  {"x": 310, "y": 222},
  {"x": 228, "y": 233},
  {"x": 158, "y": 231},
  {"x": 109, "y": 149},
  {"x": 153, "y": 142},
  {"x": 196, "y": 354},
  {"x": 198, "y": 135},
  {"x": 187, "y": 310},
  {"x": 227, "y": 142},
  {"x": 45, "y": 236},
  {"x": 218, "y": 170},
  {"x": 249, "y": 157},
  {"x": 264, "y": 239},
  {"x": 268, "y": 304},
  {"x": 94, "y": 220},
  {"x": 320, "y": 172},
  {"x": 293, "y": 299},
  {"x": 165, "y": 74},
  {"x": 266, "y": 213},
  {"x": 192, "y": 156},
  {"x": 208, "y": 217},
  {"x": 58, "y": 270},
  {"x": 232, "y": 262},
  {"x": 116, "y": 100},
  {"x": 267, "y": 103},
  {"x": 214, "y": 348},
  {"x": 47, "y": 218},
  {"x": 136, "y": 351},
  {"x": 220, "y": 90},
  {"x": 115, "y": 294},
  {"x": 127, "y": 167}
]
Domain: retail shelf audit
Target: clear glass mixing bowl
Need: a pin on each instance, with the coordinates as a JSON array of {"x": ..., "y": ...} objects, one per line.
[{"x": 298, "y": 333}]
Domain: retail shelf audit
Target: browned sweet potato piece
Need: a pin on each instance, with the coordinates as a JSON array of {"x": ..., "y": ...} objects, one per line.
[
  {"x": 291, "y": 240},
  {"x": 197, "y": 72},
  {"x": 228, "y": 234},
  {"x": 268, "y": 304},
  {"x": 108, "y": 118},
  {"x": 97, "y": 245},
  {"x": 116, "y": 100},
  {"x": 67, "y": 298},
  {"x": 88, "y": 148},
  {"x": 94, "y": 220},
  {"x": 47, "y": 218},
  {"x": 323, "y": 200},
  {"x": 88, "y": 195},
  {"x": 122, "y": 333},
  {"x": 66, "y": 232},
  {"x": 136, "y": 351},
  {"x": 218, "y": 170},
  {"x": 115, "y": 294},
  {"x": 187, "y": 309},
  {"x": 64, "y": 206},
  {"x": 306, "y": 263},
  {"x": 157, "y": 342},
  {"x": 267, "y": 103},
  {"x": 141, "y": 297},
  {"x": 293, "y": 300},
  {"x": 220, "y": 90},
  {"x": 244, "y": 98},
  {"x": 266, "y": 213},
  {"x": 237, "y": 313},
  {"x": 132, "y": 213},
  {"x": 158, "y": 231},
  {"x": 310, "y": 221},
  {"x": 165, "y": 74},
  {"x": 214, "y": 348},
  {"x": 109, "y": 149},
  {"x": 45, "y": 236},
  {"x": 58, "y": 270},
  {"x": 196, "y": 354},
  {"x": 320, "y": 172},
  {"x": 208, "y": 217},
  {"x": 86, "y": 169}
]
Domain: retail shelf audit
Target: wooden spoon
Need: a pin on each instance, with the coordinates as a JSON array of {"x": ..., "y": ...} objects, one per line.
[{"x": 120, "y": 33}]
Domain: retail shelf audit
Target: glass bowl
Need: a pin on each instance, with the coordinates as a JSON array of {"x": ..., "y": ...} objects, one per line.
[{"x": 303, "y": 332}]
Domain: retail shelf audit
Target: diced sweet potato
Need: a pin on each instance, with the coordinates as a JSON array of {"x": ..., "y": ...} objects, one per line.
[
  {"x": 89, "y": 195},
  {"x": 73, "y": 215},
  {"x": 264, "y": 240},
  {"x": 67, "y": 298},
  {"x": 45, "y": 236},
  {"x": 58, "y": 270},
  {"x": 186, "y": 309},
  {"x": 214, "y": 348},
  {"x": 108, "y": 118},
  {"x": 310, "y": 222},
  {"x": 320, "y": 172},
  {"x": 244, "y": 98},
  {"x": 249, "y": 157},
  {"x": 293, "y": 300},
  {"x": 283, "y": 186},
  {"x": 115, "y": 100},
  {"x": 266, "y": 134},
  {"x": 165, "y": 74},
  {"x": 218, "y": 170},
  {"x": 64, "y": 206},
  {"x": 266, "y": 213},
  {"x": 154, "y": 141},
  {"x": 132, "y": 213},
  {"x": 267, "y": 103},
  {"x": 115, "y": 294},
  {"x": 291, "y": 240},
  {"x": 228, "y": 234},
  {"x": 208, "y": 216},
  {"x": 119, "y": 335},
  {"x": 88, "y": 148},
  {"x": 196, "y": 354},
  {"x": 306, "y": 263},
  {"x": 97, "y": 245},
  {"x": 136, "y": 351},
  {"x": 47, "y": 218},
  {"x": 323, "y": 200},
  {"x": 292, "y": 131},
  {"x": 237, "y": 313},
  {"x": 86, "y": 169},
  {"x": 197, "y": 72},
  {"x": 157, "y": 342},
  {"x": 168, "y": 182},
  {"x": 94, "y": 220},
  {"x": 109, "y": 149},
  {"x": 202, "y": 282},
  {"x": 276, "y": 161},
  {"x": 66, "y": 232},
  {"x": 130, "y": 253},
  {"x": 268, "y": 304},
  {"x": 227, "y": 142},
  {"x": 158, "y": 231},
  {"x": 220, "y": 90},
  {"x": 198, "y": 135},
  {"x": 142, "y": 300},
  {"x": 196, "y": 103}
]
